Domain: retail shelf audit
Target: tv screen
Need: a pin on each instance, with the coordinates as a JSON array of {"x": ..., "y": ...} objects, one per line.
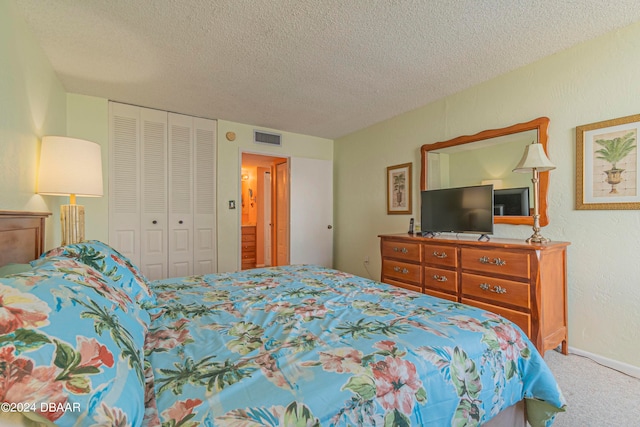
[
  {"x": 511, "y": 201},
  {"x": 458, "y": 210}
]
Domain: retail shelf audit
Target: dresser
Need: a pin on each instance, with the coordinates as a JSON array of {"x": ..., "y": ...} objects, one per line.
[
  {"x": 248, "y": 247},
  {"x": 525, "y": 283}
]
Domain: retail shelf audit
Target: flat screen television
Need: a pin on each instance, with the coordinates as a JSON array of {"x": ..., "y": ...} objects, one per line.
[
  {"x": 511, "y": 201},
  {"x": 457, "y": 210}
]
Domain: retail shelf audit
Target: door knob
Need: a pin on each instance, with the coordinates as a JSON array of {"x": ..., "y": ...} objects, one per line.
[
  {"x": 154, "y": 222},
  {"x": 180, "y": 222},
  {"x": 329, "y": 227}
]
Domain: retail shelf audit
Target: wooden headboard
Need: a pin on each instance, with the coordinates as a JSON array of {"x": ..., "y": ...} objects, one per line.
[{"x": 21, "y": 236}]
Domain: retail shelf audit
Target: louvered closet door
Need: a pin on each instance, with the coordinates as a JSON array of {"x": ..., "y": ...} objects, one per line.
[
  {"x": 137, "y": 186},
  {"x": 124, "y": 180},
  {"x": 204, "y": 220},
  {"x": 154, "y": 256},
  {"x": 180, "y": 226}
]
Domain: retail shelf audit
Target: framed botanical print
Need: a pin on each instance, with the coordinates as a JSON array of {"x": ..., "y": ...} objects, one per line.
[
  {"x": 399, "y": 189},
  {"x": 607, "y": 160}
]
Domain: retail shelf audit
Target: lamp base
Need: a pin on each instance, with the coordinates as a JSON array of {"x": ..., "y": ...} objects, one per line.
[
  {"x": 72, "y": 223},
  {"x": 537, "y": 238}
]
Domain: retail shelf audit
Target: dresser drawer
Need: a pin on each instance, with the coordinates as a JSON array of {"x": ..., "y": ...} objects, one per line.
[
  {"x": 442, "y": 295},
  {"x": 496, "y": 262},
  {"x": 409, "y": 286},
  {"x": 494, "y": 289},
  {"x": 249, "y": 254},
  {"x": 523, "y": 320},
  {"x": 246, "y": 265},
  {"x": 249, "y": 229},
  {"x": 401, "y": 250},
  {"x": 402, "y": 271},
  {"x": 441, "y": 279},
  {"x": 441, "y": 255}
]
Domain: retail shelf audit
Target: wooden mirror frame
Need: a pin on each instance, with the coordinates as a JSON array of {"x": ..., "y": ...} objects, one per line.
[{"x": 540, "y": 124}]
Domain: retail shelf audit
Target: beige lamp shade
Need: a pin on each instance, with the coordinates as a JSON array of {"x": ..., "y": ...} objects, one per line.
[
  {"x": 70, "y": 166},
  {"x": 534, "y": 158}
]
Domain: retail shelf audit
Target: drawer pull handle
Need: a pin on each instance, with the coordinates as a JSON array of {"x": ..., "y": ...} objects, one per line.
[
  {"x": 403, "y": 250},
  {"x": 439, "y": 278},
  {"x": 440, "y": 255},
  {"x": 496, "y": 261},
  {"x": 496, "y": 289},
  {"x": 400, "y": 270}
]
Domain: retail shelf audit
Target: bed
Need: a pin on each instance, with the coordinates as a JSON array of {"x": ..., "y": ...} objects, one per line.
[{"x": 86, "y": 340}]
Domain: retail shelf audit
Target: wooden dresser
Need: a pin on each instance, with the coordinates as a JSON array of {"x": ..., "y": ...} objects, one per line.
[
  {"x": 248, "y": 246},
  {"x": 525, "y": 283}
]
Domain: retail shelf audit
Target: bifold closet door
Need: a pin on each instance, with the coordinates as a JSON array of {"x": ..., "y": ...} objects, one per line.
[
  {"x": 124, "y": 180},
  {"x": 153, "y": 230},
  {"x": 137, "y": 186},
  {"x": 192, "y": 148},
  {"x": 180, "y": 226},
  {"x": 204, "y": 215},
  {"x": 162, "y": 190}
]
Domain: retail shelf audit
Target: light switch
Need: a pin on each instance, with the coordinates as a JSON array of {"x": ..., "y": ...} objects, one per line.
[{"x": 232, "y": 204}]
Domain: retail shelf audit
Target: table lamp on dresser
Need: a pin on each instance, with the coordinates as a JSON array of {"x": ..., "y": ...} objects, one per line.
[
  {"x": 70, "y": 167},
  {"x": 535, "y": 160}
]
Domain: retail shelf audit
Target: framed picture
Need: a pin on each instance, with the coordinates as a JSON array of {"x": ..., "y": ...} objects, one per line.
[
  {"x": 399, "y": 189},
  {"x": 607, "y": 160}
]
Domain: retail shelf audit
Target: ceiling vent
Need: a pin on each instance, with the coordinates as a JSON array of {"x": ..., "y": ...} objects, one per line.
[{"x": 260, "y": 137}]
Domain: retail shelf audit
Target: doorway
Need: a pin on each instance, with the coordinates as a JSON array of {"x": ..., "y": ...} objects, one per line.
[{"x": 264, "y": 211}]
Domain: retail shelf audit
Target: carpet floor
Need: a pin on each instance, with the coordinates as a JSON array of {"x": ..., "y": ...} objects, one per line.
[{"x": 596, "y": 396}]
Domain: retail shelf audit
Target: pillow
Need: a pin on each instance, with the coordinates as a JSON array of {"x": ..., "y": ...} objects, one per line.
[
  {"x": 75, "y": 271},
  {"x": 69, "y": 352},
  {"x": 10, "y": 269},
  {"x": 110, "y": 263}
]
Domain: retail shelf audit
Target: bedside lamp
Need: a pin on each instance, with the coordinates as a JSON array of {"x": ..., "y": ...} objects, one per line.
[
  {"x": 70, "y": 167},
  {"x": 535, "y": 160}
]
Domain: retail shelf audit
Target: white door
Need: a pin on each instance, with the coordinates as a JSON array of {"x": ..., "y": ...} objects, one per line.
[
  {"x": 204, "y": 195},
  {"x": 180, "y": 229},
  {"x": 153, "y": 233},
  {"x": 311, "y": 212},
  {"x": 124, "y": 180},
  {"x": 137, "y": 186}
]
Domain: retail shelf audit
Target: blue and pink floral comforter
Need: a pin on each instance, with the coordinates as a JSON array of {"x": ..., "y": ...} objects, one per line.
[{"x": 309, "y": 346}]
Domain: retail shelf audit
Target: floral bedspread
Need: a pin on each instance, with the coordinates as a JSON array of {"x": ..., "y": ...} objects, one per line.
[{"x": 304, "y": 345}]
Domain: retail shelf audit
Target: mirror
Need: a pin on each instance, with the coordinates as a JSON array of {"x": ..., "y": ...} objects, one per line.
[{"x": 487, "y": 157}]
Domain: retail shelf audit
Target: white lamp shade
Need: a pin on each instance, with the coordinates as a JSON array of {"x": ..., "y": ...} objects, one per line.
[
  {"x": 534, "y": 158},
  {"x": 70, "y": 166}
]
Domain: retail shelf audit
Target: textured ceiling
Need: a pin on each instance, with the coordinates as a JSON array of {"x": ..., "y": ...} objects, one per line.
[{"x": 317, "y": 67}]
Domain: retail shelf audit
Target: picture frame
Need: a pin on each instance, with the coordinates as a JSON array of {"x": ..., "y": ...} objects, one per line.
[
  {"x": 399, "y": 192},
  {"x": 607, "y": 161}
]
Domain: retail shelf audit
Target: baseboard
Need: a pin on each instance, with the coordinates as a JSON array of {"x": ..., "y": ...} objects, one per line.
[{"x": 633, "y": 371}]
